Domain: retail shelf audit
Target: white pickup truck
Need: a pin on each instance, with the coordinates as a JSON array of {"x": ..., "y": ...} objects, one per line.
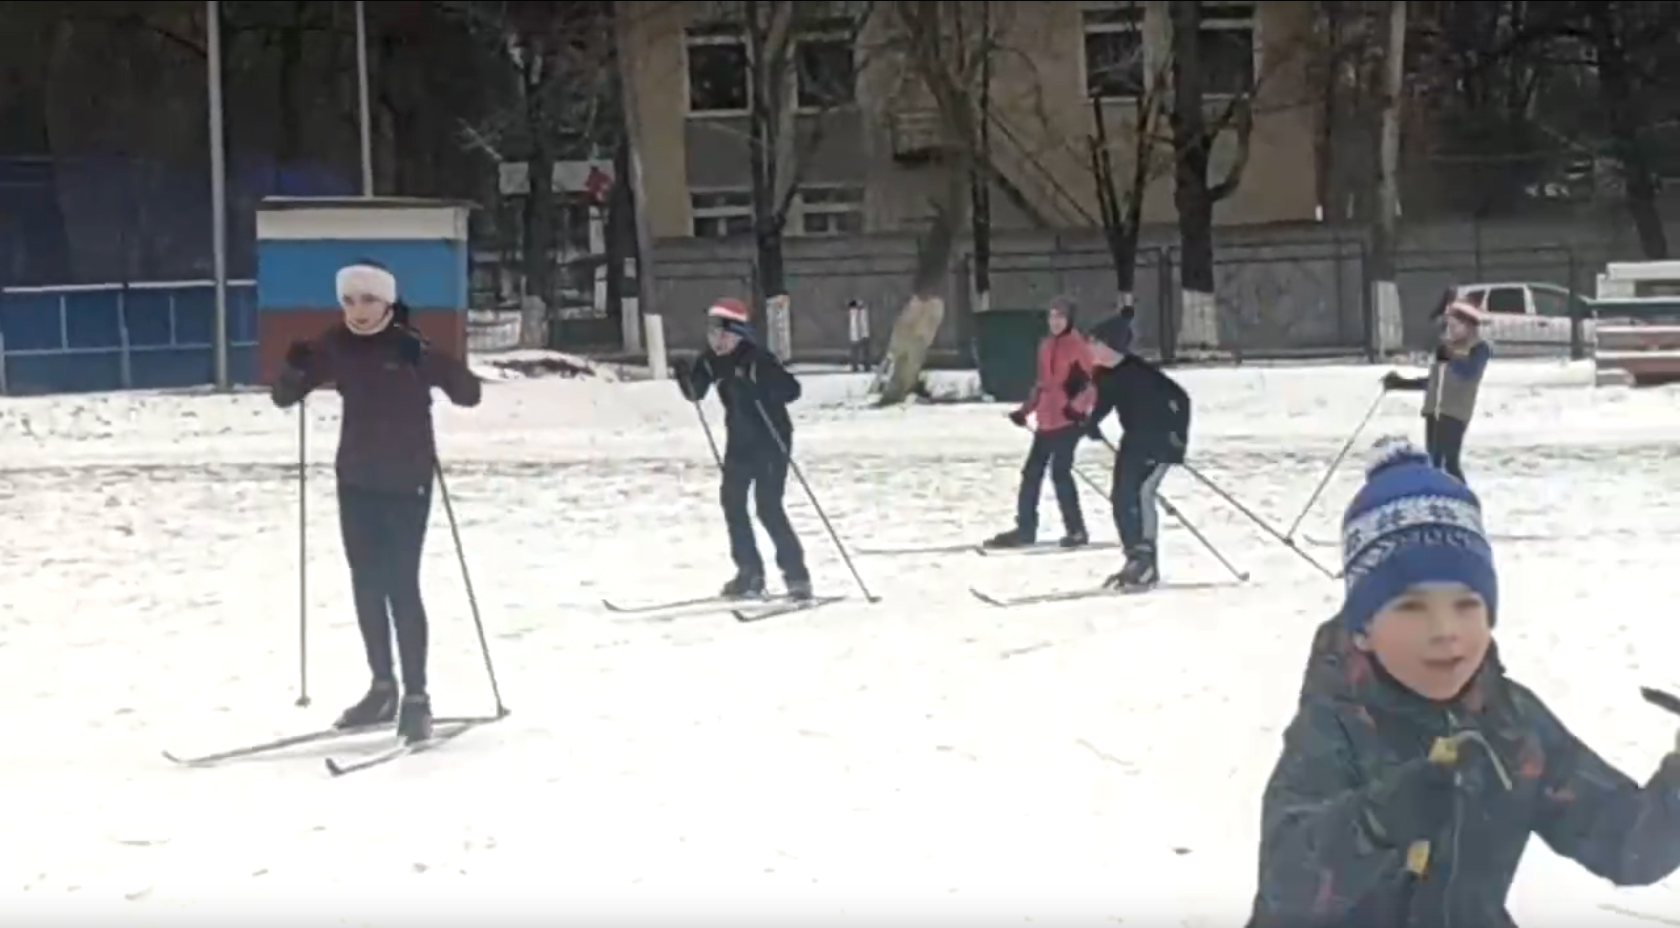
[{"x": 1527, "y": 319}]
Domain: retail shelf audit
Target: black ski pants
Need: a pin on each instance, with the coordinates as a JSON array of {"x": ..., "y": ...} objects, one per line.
[
  {"x": 1137, "y": 515},
  {"x": 384, "y": 536},
  {"x": 1444, "y": 439},
  {"x": 759, "y": 471},
  {"x": 1053, "y": 451}
]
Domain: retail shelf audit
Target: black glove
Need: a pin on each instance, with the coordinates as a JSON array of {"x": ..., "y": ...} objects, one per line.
[
  {"x": 1019, "y": 417},
  {"x": 410, "y": 346},
  {"x": 1073, "y": 415},
  {"x": 1415, "y": 802},
  {"x": 300, "y": 356},
  {"x": 1442, "y": 354},
  {"x": 1393, "y": 381}
]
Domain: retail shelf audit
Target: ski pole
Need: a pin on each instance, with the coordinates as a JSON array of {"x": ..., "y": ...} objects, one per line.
[
  {"x": 705, "y": 427},
  {"x": 303, "y": 552},
  {"x": 466, "y": 580},
  {"x": 793, "y": 465},
  {"x": 1262, "y": 523},
  {"x": 1173, "y": 511},
  {"x": 1336, "y": 463}
]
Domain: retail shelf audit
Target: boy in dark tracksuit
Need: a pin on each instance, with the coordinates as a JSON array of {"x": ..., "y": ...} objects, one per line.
[
  {"x": 1450, "y": 388},
  {"x": 1155, "y": 433},
  {"x": 387, "y": 454},
  {"x": 755, "y": 390},
  {"x": 1415, "y": 770}
]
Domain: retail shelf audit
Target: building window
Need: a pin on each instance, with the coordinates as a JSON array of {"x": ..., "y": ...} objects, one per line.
[
  {"x": 1114, "y": 50},
  {"x": 831, "y": 210},
  {"x": 719, "y": 80},
  {"x": 1226, "y": 45},
  {"x": 826, "y": 71},
  {"x": 721, "y": 213}
]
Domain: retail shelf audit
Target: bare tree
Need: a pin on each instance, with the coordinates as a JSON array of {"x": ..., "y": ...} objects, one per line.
[
  {"x": 803, "y": 64},
  {"x": 558, "y": 103},
  {"x": 1195, "y": 195},
  {"x": 944, "y": 46},
  {"x": 1121, "y": 191}
]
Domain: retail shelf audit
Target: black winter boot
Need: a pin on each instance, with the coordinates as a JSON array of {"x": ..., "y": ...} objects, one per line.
[
  {"x": 378, "y": 707},
  {"x": 414, "y": 721},
  {"x": 1138, "y": 574},
  {"x": 1075, "y": 539},
  {"x": 1014, "y": 538},
  {"x": 798, "y": 588},
  {"x": 744, "y": 585}
]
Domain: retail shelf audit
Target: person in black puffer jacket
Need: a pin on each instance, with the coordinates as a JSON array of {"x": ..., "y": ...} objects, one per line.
[{"x": 755, "y": 390}]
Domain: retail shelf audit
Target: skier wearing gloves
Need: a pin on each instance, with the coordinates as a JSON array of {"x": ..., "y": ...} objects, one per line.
[
  {"x": 1154, "y": 414},
  {"x": 1058, "y": 404},
  {"x": 1451, "y": 385},
  {"x": 1415, "y": 770},
  {"x": 755, "y": 390},
  {"x": 387, "y": 454}
]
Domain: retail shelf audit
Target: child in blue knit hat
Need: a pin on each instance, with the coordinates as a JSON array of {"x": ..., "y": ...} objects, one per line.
[{"x": 1415, "y": 770}]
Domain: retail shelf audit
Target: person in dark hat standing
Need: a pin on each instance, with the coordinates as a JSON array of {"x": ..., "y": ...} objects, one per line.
[
  {"x": 387, "y": 455},
  {"x": 755, "y": 390},
  {"x": 1154, "y": 415}
]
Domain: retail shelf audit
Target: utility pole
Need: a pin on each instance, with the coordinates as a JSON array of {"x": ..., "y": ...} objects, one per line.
[
  {"x": 1385, "y": 297},
  {"x": 218, "y": 185}
]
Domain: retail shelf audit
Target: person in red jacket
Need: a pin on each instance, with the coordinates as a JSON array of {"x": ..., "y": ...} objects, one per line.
[{"x": 1060, "y": 401}]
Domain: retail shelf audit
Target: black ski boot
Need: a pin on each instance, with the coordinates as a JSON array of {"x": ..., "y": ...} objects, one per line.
[
  {"x": 744, "y": 585},
  {"x": 378, "y": 707},
  {"x": 1014, "y": 538},
  {"x": 1075, "y": 539},
  {"x": 798, "y": 588},
  {"x": 1138, "y": 574},
  {"x": 414, "y": 721}
]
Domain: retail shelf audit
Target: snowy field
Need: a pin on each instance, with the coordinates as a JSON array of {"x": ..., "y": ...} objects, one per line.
[{"x": 926, "y": 760}]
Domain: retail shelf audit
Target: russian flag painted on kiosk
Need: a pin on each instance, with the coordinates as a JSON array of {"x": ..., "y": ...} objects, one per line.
[{"x": 303, "y": 241}]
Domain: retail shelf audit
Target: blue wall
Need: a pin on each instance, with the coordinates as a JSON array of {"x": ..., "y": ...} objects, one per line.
[
  {"x": 73, "y": 339},
  {"x": 302, "y": 274}
]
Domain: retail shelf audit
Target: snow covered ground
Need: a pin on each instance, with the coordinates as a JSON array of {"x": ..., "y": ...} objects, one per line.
[{"x": 926, "y": 760}]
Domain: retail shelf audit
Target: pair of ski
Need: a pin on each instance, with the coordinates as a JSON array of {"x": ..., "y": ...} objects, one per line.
[
  {"x": 445, "y": 730},
  {"x": 1036, "y": 549},
  {"x": 744, "y": 609},
  {"x": 1074, "y": 595}
]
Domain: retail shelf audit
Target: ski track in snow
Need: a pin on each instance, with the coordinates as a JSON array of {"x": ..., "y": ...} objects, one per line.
[{"x": 928, "y": 758}]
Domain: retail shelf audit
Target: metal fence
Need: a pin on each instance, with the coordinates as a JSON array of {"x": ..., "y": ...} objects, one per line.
[{"x": 91, "y": 337}]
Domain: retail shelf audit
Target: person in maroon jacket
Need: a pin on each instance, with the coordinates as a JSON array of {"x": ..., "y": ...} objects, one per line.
[{"x": 387, "y": 455}]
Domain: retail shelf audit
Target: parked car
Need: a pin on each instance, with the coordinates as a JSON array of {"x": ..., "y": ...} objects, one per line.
[{"x": 1528, "y": 319}]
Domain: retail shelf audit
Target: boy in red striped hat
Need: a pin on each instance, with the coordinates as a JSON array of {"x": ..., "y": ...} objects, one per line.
[{"x": 755, "y": 390}]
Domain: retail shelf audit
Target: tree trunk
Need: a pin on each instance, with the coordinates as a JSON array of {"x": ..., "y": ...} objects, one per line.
[
  {"x": 918, "y": 322},
  {"x": 539, "y": 209},
  {"x": 1198, "y": 329},
  {"x": 1385, "y": 296},
  {"x": 765, "y": 34},
  {"x": 1624, "y": 118},
  {"x": 980, "y": 196}
]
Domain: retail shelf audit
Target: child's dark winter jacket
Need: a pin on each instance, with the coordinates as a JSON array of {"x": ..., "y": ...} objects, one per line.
[
  {"x": 1154, "y": 410},
  {"x": 1353, "y": 781},
  {"x": 747, "y": 379}
]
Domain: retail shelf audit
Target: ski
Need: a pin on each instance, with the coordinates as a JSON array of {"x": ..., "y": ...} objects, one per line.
[
  {"x": 922, "y": 549},
  {"x": 1046, "y": 547},
  {"x": 278, "y": 744},
  {"x": 403, "y": 749},
  {"x": 1062, "y": 596},
  {"x": 698, "y": 603},
  {"x": 784, "y": 608}
]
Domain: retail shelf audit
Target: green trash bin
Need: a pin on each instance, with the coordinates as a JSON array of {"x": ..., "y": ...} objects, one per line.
[{"x": 1008, "y": 351}]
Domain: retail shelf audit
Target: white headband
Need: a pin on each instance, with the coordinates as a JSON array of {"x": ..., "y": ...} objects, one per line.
[{"x": 367, "y": 280}]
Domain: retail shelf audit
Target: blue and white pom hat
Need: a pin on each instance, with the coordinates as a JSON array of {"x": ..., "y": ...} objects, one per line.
[{"x": 1411, "y": 524}]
